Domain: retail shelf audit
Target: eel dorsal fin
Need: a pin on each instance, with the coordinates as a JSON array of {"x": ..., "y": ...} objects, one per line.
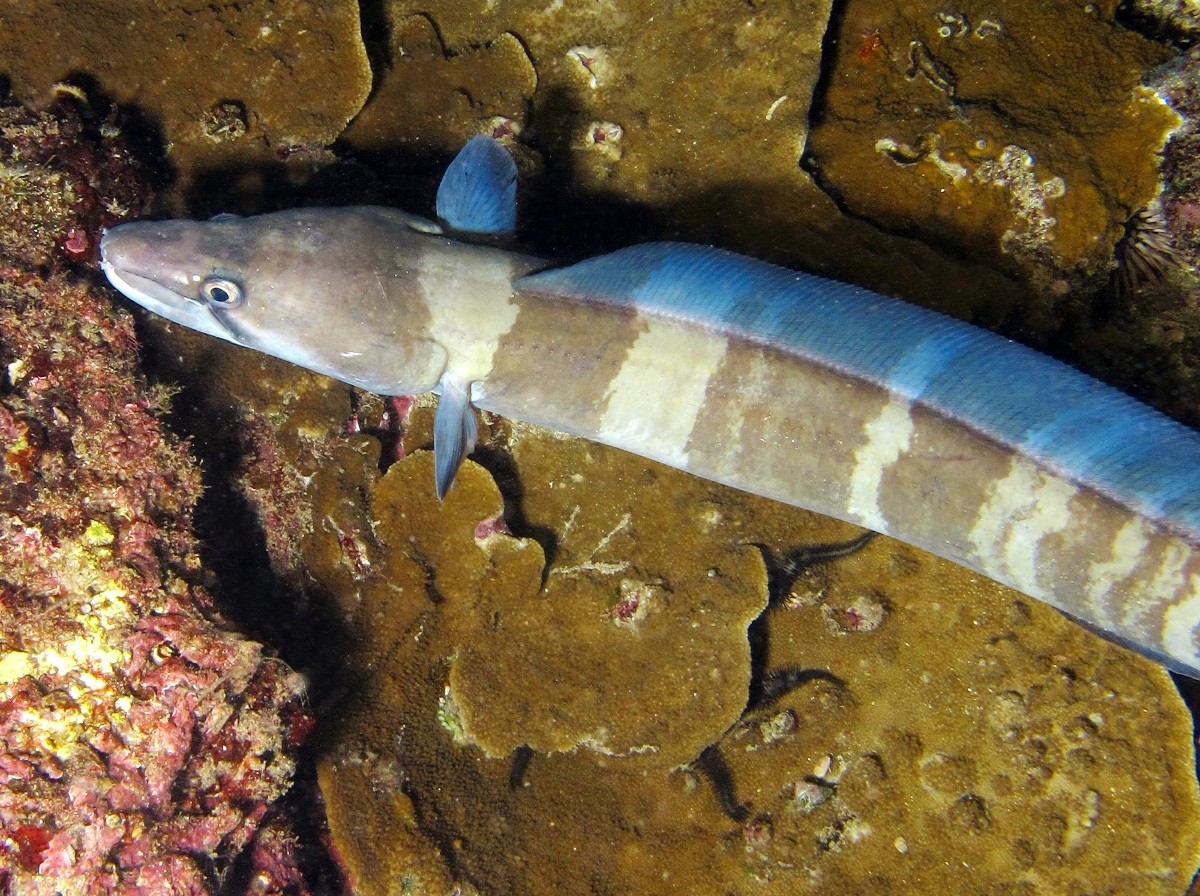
[{"x": 478, "y": 192}]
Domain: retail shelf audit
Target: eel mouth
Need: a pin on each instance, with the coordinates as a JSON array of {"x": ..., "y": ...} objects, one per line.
[{"x": 117, "y": 256}]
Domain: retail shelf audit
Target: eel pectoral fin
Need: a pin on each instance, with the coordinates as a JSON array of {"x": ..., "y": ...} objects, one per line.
[
  {"x": 454, "y": 432},
  {"x": 478, "y": 192}
]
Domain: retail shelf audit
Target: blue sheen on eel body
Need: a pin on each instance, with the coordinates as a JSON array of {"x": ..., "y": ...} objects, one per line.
[
  {"x": 390, "y": 301},
  {"x": 1082, "y": 429}
]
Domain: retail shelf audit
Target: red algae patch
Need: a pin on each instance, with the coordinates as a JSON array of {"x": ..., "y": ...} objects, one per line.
[{"x": 141, "y": 743}]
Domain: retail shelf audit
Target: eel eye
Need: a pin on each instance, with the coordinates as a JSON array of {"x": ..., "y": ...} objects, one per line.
[{"x": 219, "y": 291}]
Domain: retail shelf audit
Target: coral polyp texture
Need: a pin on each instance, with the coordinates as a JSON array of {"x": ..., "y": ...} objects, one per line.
[
  {"x": 141, "y": 743},
  {"x": 895, "y": 724},
  {"x": 230, "y": 86},
  {"x": 1023, "y": 139}
]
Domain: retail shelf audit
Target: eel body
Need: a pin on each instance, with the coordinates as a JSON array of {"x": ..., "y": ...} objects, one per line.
[{"x": 791, "y": 386}]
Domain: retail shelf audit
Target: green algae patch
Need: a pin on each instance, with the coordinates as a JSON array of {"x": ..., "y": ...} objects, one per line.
[{"x": 940, "y": 733}]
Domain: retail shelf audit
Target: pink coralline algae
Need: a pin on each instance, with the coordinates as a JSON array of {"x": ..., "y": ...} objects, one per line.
[{"x": 141, "y": 744}]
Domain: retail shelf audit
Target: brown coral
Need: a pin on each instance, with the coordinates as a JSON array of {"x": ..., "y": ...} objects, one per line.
[{"x": 937, "y": 712}]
